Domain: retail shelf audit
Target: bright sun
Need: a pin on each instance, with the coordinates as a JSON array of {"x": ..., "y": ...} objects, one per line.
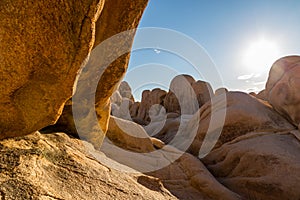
[{"x": 260, "y": 55}]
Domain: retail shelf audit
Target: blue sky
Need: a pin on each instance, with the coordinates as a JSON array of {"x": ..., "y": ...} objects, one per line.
[{"x": 237, "y": 35}]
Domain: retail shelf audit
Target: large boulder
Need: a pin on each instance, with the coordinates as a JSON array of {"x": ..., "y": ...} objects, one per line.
[
  {"x": 125, "y": 90},
  {"x": 244, "y": 114},
  {"x": 134, "y": 109},
  {"x": 116, "y": 98},
  {"x": 129, "y": 135},
  {"x": 186, "y": 95},
  {"x": 122, "y": 111},
  {"x": 181, "y": 98},
  {"x": 283, "y": 87},
  {"x": 107, "y": 65},
  {"x": 42, "y": 46},
  {"x": 188, "y": 178},
  {"x": 122, "y": 101},
  {"x": 203, "y": 91},
  {"x": 221, "y": 91},
  {"x": 164, "y": 130},
  {"x": 185, "y": 177},
  {"x": 262, "y": 95},
  {"x": 53, "y": 166},
  {"x": 260, "y": 165},
  {"x": 149, "y": 99},
  {"x": 105, "y": 69}
]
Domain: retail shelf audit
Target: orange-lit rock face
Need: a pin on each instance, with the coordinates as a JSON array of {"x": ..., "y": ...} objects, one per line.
[
  {"x": 283, "y": 87},
  {"x": 42, "y": 46},
  {"x": 103, "y": 70}
]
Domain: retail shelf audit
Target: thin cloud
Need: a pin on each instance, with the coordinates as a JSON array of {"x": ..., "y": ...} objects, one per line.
[
  {"x": 245, "y": 77},
  {"x": 257, "y": 75},
  {"x": 157, "y": 51},
  {"x": 248, "y": 76}
]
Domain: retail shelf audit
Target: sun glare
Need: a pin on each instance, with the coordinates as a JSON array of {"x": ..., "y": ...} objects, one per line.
[{"x": 260, "y": 55}]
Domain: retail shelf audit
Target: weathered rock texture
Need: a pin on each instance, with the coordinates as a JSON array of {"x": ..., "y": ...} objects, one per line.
[
  {"x": 117, "y": 16},
  {"x": 221, "y": 91},
  {"x": 283, "y": 87},
  {"x": 181, "y": 97},
  {"x": 186, "y": 95},
  {"x": 125, "y": 90},
  {"x": 203, "y": 91},
  {"x": 116, "y": 98},
  {"x": 262, "y": 165},
  {"x": 123, "y": 110},
  {"x": 121, "y": 101},
  {"x": 244, "y": 114},
  {"x": 185, "y": 177},
  {"x": 262, "y": 95},
  {"x": 164, "y": 130},
  {"x": 188, "y": 178},
  {"x": 129, "y": 135},
  {"x": 134, "y": 109},
  {"x": 107, "y": 64},
  {"x": 149, "y": 99},
  {"x": 54, "y": 166},
  {"x": 42, "y": 46}
]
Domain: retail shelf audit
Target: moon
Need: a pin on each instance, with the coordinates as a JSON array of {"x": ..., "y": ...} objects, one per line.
[{"x": 260, "y": 55}]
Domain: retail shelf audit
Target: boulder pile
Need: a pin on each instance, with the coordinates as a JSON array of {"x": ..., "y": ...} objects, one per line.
[{"x": 66, "y": 134}]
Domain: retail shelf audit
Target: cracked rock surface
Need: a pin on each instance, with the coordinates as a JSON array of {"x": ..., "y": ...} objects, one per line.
[{"x": 54, "y": 166}]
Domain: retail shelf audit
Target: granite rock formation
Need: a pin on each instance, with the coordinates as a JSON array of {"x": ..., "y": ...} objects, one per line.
[
  {"x": 220, "y": 91},
  {"x": 129, "y": 135},
  {"x": 259, "y": 165},
  {"x": 254, "y": 154},
  {"x": 149, "y": 99},
  {"x": 239, "y": 120},
  {"x": 283, "y": 86},
  {"x": 185, "y": 178},
  {"x": 183, "y": 90},
  {"x": 103, "y": 72},
  {"x": 125, "y": 90},
  {"x": 53, "y": 166},
  {"x": 181, "y": 97},
  {"x": 43, "y": 45}
]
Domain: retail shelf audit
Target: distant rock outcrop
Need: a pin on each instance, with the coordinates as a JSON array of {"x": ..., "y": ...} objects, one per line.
[
  {"x": 149, "y": 99},
  {"x": 185, "y": 96},
  {"x": 220, "y": 91},
  {"x": 121, "y": 101},
  {"x": 283, "y": 87},
  {"x": 203, "y": 91},
  {"x": 180, "y": 94},
  {"x": 42, "y": 46},
  {"x": 125, "y": 90}
]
